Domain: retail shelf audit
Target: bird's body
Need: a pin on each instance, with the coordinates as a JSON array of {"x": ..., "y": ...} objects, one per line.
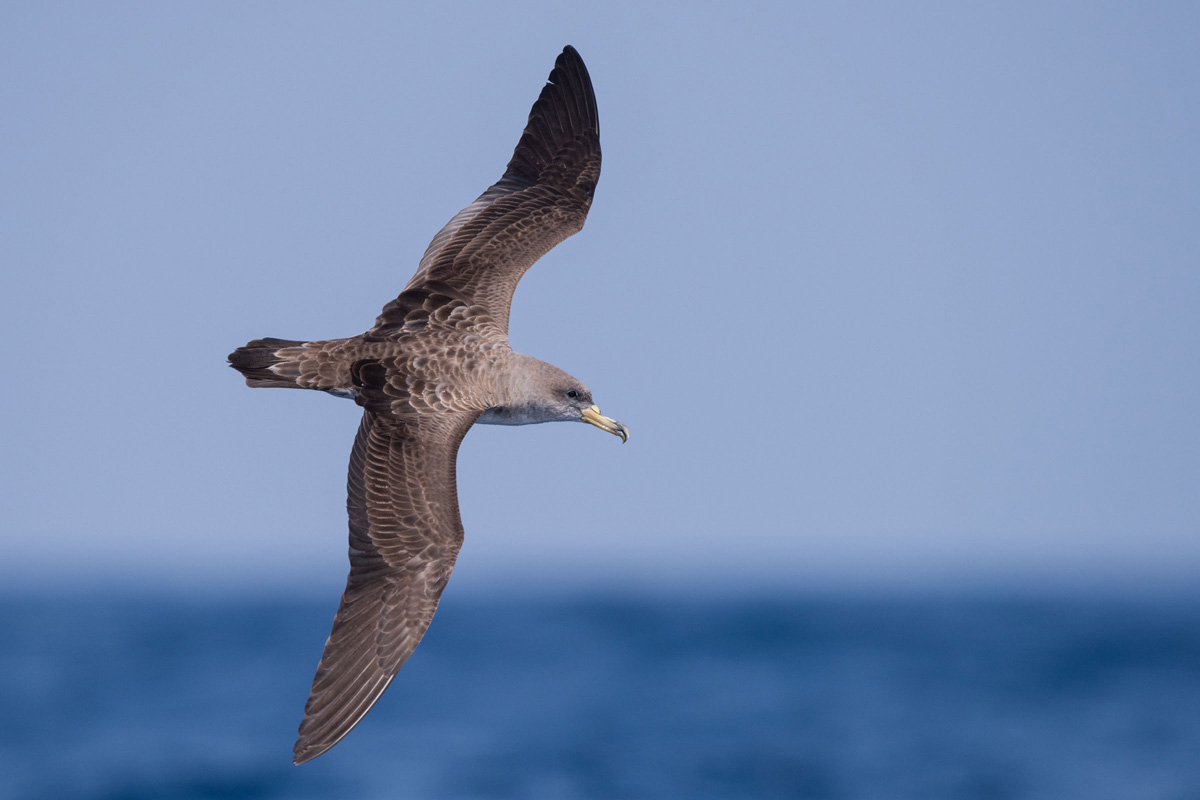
[{"x": 436, "y": 362}]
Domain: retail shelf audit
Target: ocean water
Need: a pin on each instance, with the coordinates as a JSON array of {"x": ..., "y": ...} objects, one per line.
[{"x": 124, "y": 697}]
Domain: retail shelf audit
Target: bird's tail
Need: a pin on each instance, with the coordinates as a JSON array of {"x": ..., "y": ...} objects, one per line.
[{"x": 270, "y": 362}]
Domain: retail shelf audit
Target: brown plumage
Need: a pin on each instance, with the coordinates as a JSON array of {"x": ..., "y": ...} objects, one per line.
[{"x": 436, "y": 362}]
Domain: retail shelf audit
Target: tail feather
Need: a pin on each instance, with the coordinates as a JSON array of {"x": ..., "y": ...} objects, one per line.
[{"x": 266, "y": 362}]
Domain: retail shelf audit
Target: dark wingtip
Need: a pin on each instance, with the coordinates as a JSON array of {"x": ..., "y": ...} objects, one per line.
[
  {"x": 564, "y": 112},
  {"x": 306, "y": 751}
]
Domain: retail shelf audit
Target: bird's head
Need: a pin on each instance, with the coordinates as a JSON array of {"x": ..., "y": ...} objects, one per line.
[
  {"x": 575, "y": 402},
  {"x": 541, "y": 392}
]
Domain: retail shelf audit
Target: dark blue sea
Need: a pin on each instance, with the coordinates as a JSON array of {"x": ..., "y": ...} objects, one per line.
[{"x": 128, "y": 697}]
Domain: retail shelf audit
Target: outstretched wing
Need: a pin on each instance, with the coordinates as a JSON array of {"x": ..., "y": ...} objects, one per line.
[
  {"x": 543, "y": 198},
  {"x": 405, "y": 534}
]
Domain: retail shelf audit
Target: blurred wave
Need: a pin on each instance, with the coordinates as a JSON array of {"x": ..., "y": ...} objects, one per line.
[{"x": 123, "y": 696}]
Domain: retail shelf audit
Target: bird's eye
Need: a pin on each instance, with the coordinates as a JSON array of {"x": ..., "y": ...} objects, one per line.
[{"x": 571, "y": 393}]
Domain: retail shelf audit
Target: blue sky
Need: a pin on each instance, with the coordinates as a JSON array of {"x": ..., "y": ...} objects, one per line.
[{"x": 887, "y": 295}]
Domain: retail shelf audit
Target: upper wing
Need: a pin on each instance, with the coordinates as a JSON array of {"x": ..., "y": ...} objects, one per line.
[
  {"x": 543, "y": 198},
  {"x": 405, "y": 534}
]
